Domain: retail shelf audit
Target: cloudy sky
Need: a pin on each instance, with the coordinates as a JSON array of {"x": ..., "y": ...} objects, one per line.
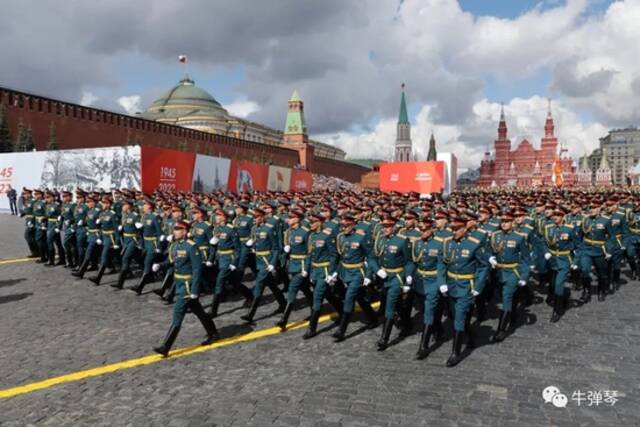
[{"x": 459, "y": 60}]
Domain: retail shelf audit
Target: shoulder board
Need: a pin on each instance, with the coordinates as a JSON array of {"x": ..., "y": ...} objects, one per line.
[
  {"x": 439, "y": 239},
  {"x": 207, "y": 222},
  {"x": 327, "y": 231},
  {"x": 549, "y": 225},
  {"x": 473, "y": 239},
  {"x": 231, "y": 226},
  {"x": 268, "y": 224},
  {"x": 529, "y": 226},
  {"x": 569, "y": 226},
  {"x": 191, "y": 242},
  {"x": 365, "y": 222},
  {"x": 521, "y": 234},
  {"x": 401, "y": 235},
  {"x": 482, "y": 230},
  {"x": 606, "y": 216},
  {"x": 304, "y": 228},
  {"x": 112, "y": 211},
  {"x": 276, "y": 217}
]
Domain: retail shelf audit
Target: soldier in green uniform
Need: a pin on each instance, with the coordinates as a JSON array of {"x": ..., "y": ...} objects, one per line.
[
  {"x": 461, "y": 262},
  {"x": 226, "y": 251},
  {"x": 201, "y": 233},
  {"x": 80, "y": 227},
  {"x": 560, "y": 238},
  {"x": 40, "y": 222},
  {"x": 509, "y": 256},
  {"x": 131, "y": 241},
  {"x": 91, "y": 224},
  {"x": 354, "y": 250},
  {"x": 29, "y": 223},
  {"x": 597, "y": 238},
  {"x": 632, "y": 244},
  {"x": 424, "y": 254},
  {"x": 324, "y": 259},
  {"x": 243, "y": 222},
  {"x": 297, "y": 261},
  {"x": 265, "y": 243},
  {"x": 186, "y": 260},
  {"x": 619, "y": 229},
  {"x": 150, "y": 226},
  {"x": 54, "y": 224},
  {"x": 391, "y": 264},
  {"x": 68, "y": 227},
  {"x": 411, "y": 231},
  {"x": 109, "y": 240}
]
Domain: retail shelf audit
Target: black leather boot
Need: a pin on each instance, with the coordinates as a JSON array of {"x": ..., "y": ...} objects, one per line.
[
  {"x": 586, "y": 291},
  {"x": 168, "y": 341},
  {"x": 339, "y": 335},
  {"x": 616, "y": 279},
  {"x": 423, "y": 350},
  {"x": 121, "y": 278},
  {"x": 215, "y": 303},
  {"x": 171, "y": 295},
  {"x": 313, "y": 325},
  {"x": 82, "y": 270},
  {"x": 633, "y": 266},
  {"x": 383, "y": 342},
  {"x": 252, "y": 311},
  {"x": 558, "y": 308},
  {"x": 602, "y": 289},
  {"x": 501, "y": 332},
  {"x": 143, "y": 281},
  {"x": 456, "y": 350},
  {"x": 98, "y": 278},
  {"x": 166, "y": 283},
  {"x": 370, "y": 314},
  {"x": 282, "y": 323}
]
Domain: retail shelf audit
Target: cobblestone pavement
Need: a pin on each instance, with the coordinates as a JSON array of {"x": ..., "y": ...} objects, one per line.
[{"x": 52, "y": 324}]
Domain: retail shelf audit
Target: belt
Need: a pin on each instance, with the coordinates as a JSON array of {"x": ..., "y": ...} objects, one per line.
[
  {"x": 226, "y": 252},
  {"x": 298, "y": 257},
  {"x": 634, "y": 230},
  {"x": 108, "y": 231},
  {"x": 394, "y": 270},
  {"x": 183, "y": 276},
  {"x": 92, "y": 230},
  {"x": 40, "y": 217},
  {"x": 507, "y": 266},
  {"x": 28, "y": 216},
  {"x": 244, "y": 239},
  {"x": 203, "y": 247},
  {"x": 52, "y": 219},
  {"x": 352, "y": 266},
  {"x": 150, "y": 238},
  {"x": 560, "y": 253},
  {"x": 320, "y": 264},
  {"x": 130, "y": 234},
  {"x": 594, "y": 242},
  {"x": 619, "y": 235},
  {"x": 461, "y": 276},
  {"x": 427, "y": 272},
  {"x": 263, "y": 253}
]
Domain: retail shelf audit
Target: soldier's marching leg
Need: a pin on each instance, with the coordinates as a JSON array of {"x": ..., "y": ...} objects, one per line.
[
  {"x": 603, "y": 277},
  {"x": 318, "y": 296},
  {"x": 57, "y": 240},
  {"x": 560, "y": 294},
  {"x": 509, "y": 282},
  {"x": 51, "y": 252},
  {"x": 208, "y": 324},
  {"x": 353, "y": 288},
  {"x": 431, "y": 301},
  {"x": 459, "y": 306},
  {"x": 261, "y": 278},
  {"x": 393, "y": 296},
  {"x": 179, "y": 310},
  {"x": 295, "y": 283}
]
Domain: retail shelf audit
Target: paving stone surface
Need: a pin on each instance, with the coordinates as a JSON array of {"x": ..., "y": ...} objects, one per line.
[{"x": 52, "y": 324}]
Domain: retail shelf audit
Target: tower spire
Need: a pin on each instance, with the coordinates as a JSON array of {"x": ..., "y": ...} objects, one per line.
[
  {"x": 404, "y": 150},
  {"x": 403, "y": 116},
  {"x": 502, "y": 126},
  {"x": 549, "y": 107},
  {"x": 432, "y": 155},
  {"x": 502, "y": 111}
]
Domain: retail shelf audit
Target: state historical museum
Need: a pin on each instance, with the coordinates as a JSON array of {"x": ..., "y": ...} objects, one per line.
[{"x": 526, "y": 166}]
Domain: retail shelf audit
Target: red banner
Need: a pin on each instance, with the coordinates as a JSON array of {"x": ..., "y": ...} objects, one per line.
[
  {"x": 301, "y": 180},
  {"x": 166, "y": 170},
  {"x": 247, "y": 177},
  {"x": 422, "y": 177}
]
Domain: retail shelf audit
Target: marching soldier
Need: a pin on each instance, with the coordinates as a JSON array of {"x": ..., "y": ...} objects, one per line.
[
  {"x": 619, "y": 229},
  {"x": 130, "y": 240},
  {"x": 167, "y": 227},
  {"x": 40, "y": 222},
  {"x": 597, "y": 237},
  {"x": 54, "y": 224},
  {"x": 29, "y": 223},
  {"x": 186, "y": 260},
  {"x": 151, "y": 232},
  {"x": 80, "y": 227},
  {"x": 560, "y": 238},
  {"x": 69, "y": 240},
  {"x": 109, "y": 239},
  {"x": 93, "y": 236}
]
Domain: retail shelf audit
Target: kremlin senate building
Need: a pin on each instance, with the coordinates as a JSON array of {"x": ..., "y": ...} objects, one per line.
[{"x": 526, "y": 165}]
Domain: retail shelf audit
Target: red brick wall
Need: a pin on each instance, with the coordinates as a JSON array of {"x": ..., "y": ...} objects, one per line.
[{"x": 83, "y": 127}]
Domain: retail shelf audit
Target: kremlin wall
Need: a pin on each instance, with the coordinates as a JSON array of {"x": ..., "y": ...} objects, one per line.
[{"x": 77, "y": 126}]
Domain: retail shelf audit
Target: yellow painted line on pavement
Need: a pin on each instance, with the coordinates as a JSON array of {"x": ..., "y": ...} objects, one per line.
[
  {"x": 15, "y": 260},
  {"x": 155, "y": 358}
]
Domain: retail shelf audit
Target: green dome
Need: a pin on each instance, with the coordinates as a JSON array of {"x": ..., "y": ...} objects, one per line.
[{"x": 183, "y": 100}]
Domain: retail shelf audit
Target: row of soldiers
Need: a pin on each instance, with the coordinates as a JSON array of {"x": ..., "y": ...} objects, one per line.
[{"x": 453, "y": 257}]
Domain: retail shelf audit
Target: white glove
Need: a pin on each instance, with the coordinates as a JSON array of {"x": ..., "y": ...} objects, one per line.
[
  {"x": 43, "y": 228},
  {"x": 406, "y": 289},
  {"x": 522, "y": 283},
  {"x": 532, "y": 268},
  {"x": 493, "y": 261},
  {"x": 119, "y": 228},
  {"x": 607, "y": 256},
  {"x": 193, "y": 296},
  {"x": 444, "y": 289},
  {"x": 547, "y": 256},
  {"x": 67, "y": 222},
  {"x": 214, "y": 241},
  {"x": 158, "y": 251},
  {"x": 189, "y": 234},
  {"x": 249, "y": 243},
  {"x": 270, "y": 268},
  {"x": 155, "y": 268},
  {"x": 116, "y": 247},
  {"x": 30, "y": 224},
  {"x": 232, "y": 267},
  {"x": 138, "y": 225},
  {"x": 170, "y": 238},
  {"x": 99, "y": 242},
  {"x": 381, "y": 273},
  {"x": 59, "y": 218},
  {"x": 475, "y": 293},
  {"x": 622, "y": 248},
  {"x": 98, "y": 221},
  {"x": 333, "y": 277},
  {"x": 208, "y": 263},
  {"x": 162, "y": 237},
  {"x": 80, "y": 223},
  {"x": 287, "y": 249},
  {"x": 409, "y": 280},
  {"x": 72, "y": 230},
  {"x": 574, "y": 267},
  {"x": 367, "y": 282},
  {"x": 304, "y": 273},
  {"x": 57, "y": 230}
]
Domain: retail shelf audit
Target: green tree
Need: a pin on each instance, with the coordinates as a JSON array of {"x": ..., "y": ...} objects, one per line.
[
  {"x": 28, "y": 144},
  {"x": 5, "y": 132},
  {"x": 53, "y": 141},
  {"x": 21, "y": 138}
]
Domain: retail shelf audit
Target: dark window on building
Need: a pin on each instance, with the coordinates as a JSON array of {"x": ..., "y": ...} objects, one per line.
[
  {"x": 30, "y": 103},
  {"x": 21, "y": 101},
  {"x": 10, "y": 99},
  {"x": 90, "y": 114},
  {"x": 40, "y": 105},
  {"x": 66, "y": 110},
  {"x": 58, "y": 108},
  {"x": 118, "y": 120},
  {"x": 48, "y": 106},
  {"x": 74, "y": 111}
]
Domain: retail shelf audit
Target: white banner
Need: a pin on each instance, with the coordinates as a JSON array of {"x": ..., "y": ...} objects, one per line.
[
  {"x": 279, "y": 178},
  {"x": 210, "y": 174}
]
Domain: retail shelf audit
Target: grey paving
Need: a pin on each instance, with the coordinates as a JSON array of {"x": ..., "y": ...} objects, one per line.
[{"x": 51, "y": 324}]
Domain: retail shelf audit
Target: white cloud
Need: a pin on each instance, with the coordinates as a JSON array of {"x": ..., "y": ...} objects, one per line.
[
  {"x": 131, "y": 104},
  {"x": 88, "y": 98},
  {"x": 242, "y": 108}
]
